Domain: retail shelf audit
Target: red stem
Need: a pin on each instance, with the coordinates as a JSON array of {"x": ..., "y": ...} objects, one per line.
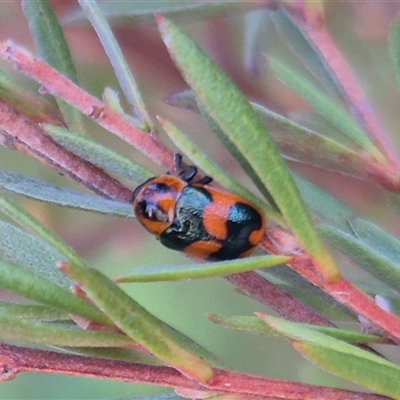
[
  {"x": 15, "y": 360},
  {"x": 342, "y": 291},
  {"x": 35, "y": 141},
  {"x": 26, "y": 136},
  {"x": 29, "y": 138},
  {"x": 58, "y": 85},
  {"x": 278, "y": 300}
]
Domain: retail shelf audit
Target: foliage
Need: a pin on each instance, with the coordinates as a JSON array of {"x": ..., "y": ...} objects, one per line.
[{"x": 97, "y": 317}]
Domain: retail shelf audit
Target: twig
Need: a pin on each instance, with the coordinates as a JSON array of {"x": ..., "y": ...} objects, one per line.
[
  {"x": 58, "y": 85},
  {"x": 278, "y": 300},
  {"x": 32, "y": 140},
  {"x": 15, "y": 360},
  {"x": 26, "y": 136},
  {"x": 342, "y": 291}
]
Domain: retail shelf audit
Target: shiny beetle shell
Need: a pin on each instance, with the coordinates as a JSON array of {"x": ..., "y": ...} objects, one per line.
[{"x": 196, "y": 218}]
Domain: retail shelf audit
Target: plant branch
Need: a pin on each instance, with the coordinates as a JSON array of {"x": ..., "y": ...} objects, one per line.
[
  {"x": 60, "y": 86},
  {"x": 15, "y": 360},
  {"x": 342, "y": 290},
  {"x": 21, "y": 134},
  {"x": 278, "y": 300},
  {"x": 29, "y": 138}
]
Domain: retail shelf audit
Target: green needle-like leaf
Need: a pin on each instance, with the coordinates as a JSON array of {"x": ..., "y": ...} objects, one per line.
[
  {"x": 52, "y": 47},
  {"x": 325, "y": 206},
  {"x": 198, "y": 271},
  {"x": 376, "y": 238},
  {"x": 98, "y": 154},
  {"x": 233, "y": 113},
  {"x": 300, "y": 45},
  {"x": 27, "y": 221},
  {"x": 372, "y": 375},
  {"x": 326, "y": 107},
  {"x": 32, "y": 253},
  {"x": 44, "y": 191},
  {"x": 255, "y": 326},
  {"x": 295, "y": 141},
  {"x": 17, "y": 329},
  {"x": 139, "y": 324},
  {"x": 33, "y": 312},
  {"x": 25, "y": 283},
  {"x": 117, "y": 59},
  {"x": 342, "y": 359},
  {"x": 302, "y": 144},
  {"x": 132, "y": 12},
  {"x": 377, "y": 264}
]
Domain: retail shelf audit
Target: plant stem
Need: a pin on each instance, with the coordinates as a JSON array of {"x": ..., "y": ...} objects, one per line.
[
  {"x": 58, "y": 85},
  {"x": 23, "y": 135},
  {"x": 15, "y": 360},
  {"x": 278, "y": 300}
]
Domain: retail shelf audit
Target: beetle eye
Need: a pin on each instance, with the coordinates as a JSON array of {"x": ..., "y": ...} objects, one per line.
[{"x": 152, "y": 212}]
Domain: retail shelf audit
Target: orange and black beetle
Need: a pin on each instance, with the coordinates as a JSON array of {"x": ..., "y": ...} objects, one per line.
[{"x": 195, "y": 218}]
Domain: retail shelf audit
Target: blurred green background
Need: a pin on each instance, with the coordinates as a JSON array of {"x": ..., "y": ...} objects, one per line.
[{"x": 115, "y": 246}]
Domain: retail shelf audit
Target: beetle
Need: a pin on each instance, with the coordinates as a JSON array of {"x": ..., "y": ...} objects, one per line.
[{"x": 191, "y": 216}]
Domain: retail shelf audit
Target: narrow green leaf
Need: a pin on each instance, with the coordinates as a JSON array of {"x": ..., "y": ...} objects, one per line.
[
  {"x": 376, "y": 238},
  {"x": 232, "y": 147},
  {"x": 139, "y": 324},
  {"x": 125, "y": 78},
  {"x": 52, "y": 47},
  {"x": 233, "y": 113},
  {"x": 342, "y": 359},
  {"x": 205, "y": 163},
  {"x": 325, "y": 106},
  {"x": 295, "y": 141},
  {"x": 394, "y": 48},
  {"x": 299, "y": 44},
  {"x": 27, "y": 284},
  {"x": 43, "y": 191},
  {"x": 33, "y": 312},
  {"x": 98, "y": 154},
  {"x": 325, "y": 206},
  {"x": 299, "y": 143},
  {"x": 377, "y": 264},
  {"x": 255, "y": 326},
  {"x": 374, "y": 376},
  {"x": 127, "y": 12},
  {"x": 198, "y": 271},
  {"x": 17, "y": 329},
  {"x": 35, "y": 107},
  {"x": 27, "y": 221},
  {"x": 32, "y": 253},
  {"x": 299, "y": 333}
]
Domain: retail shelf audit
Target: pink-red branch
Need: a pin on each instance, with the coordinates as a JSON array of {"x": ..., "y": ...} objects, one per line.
[
  {"x": 278, "y": 300},
  {"x": 15, "y": 360},
  {"x": 58, "y": 85},
  {"x": 342, "y": 291},
  {"x": 21, "y": 134}
]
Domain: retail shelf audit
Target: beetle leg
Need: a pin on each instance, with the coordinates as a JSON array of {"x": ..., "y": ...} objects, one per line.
[
  {"x": 204, "y": 180},
  {"x": 186, "y": 173}
]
